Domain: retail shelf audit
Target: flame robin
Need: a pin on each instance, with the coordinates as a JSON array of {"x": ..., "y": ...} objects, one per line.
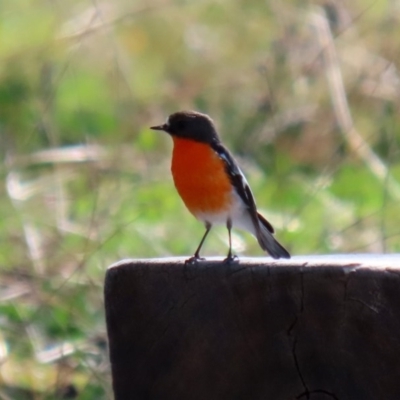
[{"x": 211, "y": 184}]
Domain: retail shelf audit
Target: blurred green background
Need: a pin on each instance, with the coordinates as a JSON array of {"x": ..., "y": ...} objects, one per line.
[{"x": 305, "y": 94}]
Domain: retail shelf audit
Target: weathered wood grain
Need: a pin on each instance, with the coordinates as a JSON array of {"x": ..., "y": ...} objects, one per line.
[{"x": 318, "y": 327}]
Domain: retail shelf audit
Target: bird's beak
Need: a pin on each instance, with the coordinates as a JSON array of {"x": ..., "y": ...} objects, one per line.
[{"x": 159, "y": 127}]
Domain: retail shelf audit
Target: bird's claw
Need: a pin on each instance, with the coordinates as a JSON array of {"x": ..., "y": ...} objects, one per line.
[
  {"x": 232, "y": 258},
  {"x": 194, "y": 260}
]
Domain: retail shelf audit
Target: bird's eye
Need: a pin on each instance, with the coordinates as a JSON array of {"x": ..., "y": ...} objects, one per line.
[{"x": 180, "y": 124}]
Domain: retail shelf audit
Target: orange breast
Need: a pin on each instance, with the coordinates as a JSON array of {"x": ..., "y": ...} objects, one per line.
[{"x": 200, "y": 178}]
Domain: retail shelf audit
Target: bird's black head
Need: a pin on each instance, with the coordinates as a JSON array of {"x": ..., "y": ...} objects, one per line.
[{"x": 190, "y": 125}]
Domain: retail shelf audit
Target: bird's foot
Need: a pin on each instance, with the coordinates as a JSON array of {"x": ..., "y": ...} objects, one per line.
[
  {"x": 232, "y": 258},
  {"x": 194, "y": 260}
]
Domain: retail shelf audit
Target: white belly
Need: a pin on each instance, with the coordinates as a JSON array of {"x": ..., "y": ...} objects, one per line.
[{"x": 238, "y": 214}]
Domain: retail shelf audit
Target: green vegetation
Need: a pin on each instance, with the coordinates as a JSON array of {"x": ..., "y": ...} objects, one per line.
[{"x": 306, "y": 96}]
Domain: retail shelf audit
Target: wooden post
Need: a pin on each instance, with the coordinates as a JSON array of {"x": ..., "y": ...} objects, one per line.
[{"x": 317, "y": 327}]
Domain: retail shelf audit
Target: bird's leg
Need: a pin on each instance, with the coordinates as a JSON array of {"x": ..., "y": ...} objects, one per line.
[
  {"x": 196, "y": 257},
  {"x": 230, "y": 257}
]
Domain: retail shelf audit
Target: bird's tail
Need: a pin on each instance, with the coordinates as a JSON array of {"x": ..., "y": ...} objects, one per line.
[{"x": 268, "y": 242}]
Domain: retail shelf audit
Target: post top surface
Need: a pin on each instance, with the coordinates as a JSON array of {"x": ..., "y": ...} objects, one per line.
[{"x": 350, "y": 261}]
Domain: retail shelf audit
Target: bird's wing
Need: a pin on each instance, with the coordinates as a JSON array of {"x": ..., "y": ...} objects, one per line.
[{"x": 240, "y": 184}]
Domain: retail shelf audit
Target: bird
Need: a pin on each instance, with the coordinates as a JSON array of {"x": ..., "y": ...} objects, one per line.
[{"x": 211, "y": 184}]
